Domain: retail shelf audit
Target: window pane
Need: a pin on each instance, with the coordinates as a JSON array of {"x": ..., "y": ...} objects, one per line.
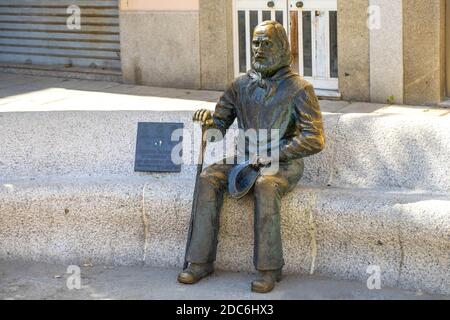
[
  {"x": 333, "y": 45},
  {"x": 242, "y": 48},
  {"x": 307, "y": 44},
  {"x": 279, "y": 16},
  {"x": 253, "y": 24},
  {"x": 266, "y": 15}
]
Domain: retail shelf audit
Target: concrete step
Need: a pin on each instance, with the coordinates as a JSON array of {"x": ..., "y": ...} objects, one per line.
[
  {"x": 61, "y": 71},
  {"x": 129, "y": 220},
  {"x": 328, "y": 94},
  {"x": 38, "y": 281}
]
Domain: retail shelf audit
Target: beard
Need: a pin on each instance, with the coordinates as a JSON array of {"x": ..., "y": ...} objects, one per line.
[{"x": 269, "y": 66}]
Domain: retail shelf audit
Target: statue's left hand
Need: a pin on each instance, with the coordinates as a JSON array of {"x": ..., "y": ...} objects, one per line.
[{"x": 204, "y": 116}]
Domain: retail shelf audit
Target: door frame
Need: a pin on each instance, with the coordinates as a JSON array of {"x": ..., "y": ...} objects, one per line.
[
  {"x": 447, "y": 48},
  {"x": 286, "y": 6},
  {"x": 328, "y": 5},
  {"x": 248, "y": 5}
]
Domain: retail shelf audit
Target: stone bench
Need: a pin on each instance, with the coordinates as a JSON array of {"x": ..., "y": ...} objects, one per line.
[{"x": 378, "y": 195}]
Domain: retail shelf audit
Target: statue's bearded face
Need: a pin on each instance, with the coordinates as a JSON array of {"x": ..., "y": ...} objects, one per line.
[{"x": 267, "y": 50}]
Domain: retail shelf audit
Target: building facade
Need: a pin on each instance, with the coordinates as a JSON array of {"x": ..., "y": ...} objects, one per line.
[
  {"x": 364, "y": 50},
  {"x": 361, "y": 50}
]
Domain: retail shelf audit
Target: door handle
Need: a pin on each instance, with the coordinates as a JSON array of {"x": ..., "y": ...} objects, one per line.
[
  {"x": 299, "y": 4},
  {"x": 271, "y": 4}
]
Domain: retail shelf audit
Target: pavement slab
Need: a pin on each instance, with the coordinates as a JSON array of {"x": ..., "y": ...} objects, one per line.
[
  {"x": 20, "y": 280},
  {"x": 34, "y": 93}
]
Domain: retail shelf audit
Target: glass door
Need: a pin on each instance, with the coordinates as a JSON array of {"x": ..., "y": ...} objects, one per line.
[
  {"x": 312, "y": 30},
  {"x": 313, "y": 36},
  {"x": 247, "y": 15}
]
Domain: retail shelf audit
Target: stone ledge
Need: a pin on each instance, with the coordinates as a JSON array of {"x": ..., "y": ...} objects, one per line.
[
  {"x": 363, "y": 150},
  {"x": 124, "y": 220},
  {"x": 72, "y": 220}
]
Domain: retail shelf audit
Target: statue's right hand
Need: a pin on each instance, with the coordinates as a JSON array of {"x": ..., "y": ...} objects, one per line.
[{"x": 204, "y": 116}]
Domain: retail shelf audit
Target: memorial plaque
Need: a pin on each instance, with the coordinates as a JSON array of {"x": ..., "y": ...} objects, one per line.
[{"x": 154, "y": 147}]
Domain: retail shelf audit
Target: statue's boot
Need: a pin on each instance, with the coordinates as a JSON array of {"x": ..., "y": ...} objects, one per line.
[
  {"x": 266, "y": 281},
  {"x": 195, "y": 272}
]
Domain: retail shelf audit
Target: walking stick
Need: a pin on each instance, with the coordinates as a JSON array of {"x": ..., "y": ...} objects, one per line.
[{"x": 195, "y": 198}]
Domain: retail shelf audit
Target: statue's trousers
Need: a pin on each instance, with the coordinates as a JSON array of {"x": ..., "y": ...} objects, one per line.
[{"x": 267, "y": 193}]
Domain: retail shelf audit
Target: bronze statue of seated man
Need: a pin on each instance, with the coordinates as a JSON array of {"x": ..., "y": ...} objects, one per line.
[{"x": 270, "y": 96}]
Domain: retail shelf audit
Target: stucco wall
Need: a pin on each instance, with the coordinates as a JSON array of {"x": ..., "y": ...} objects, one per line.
[
  {"x": 216, "y": 43},
  {"x": 353, "y": 50},
  {"x": 386, "y": 52},
  {"x": 160, "y": 48},
  {"x": 159, "y": 5},
  {"x": 424, "y": 51}
]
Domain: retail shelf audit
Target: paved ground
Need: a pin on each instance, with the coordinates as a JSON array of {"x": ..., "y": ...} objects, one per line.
[
  {"x": 30, "y": 93},
  {"x": 26, "y": 280}
]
